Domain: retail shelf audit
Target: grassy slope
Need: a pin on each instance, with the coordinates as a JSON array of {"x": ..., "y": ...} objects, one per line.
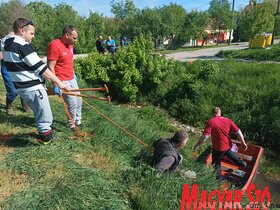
[{"x": 108, "y": 171}]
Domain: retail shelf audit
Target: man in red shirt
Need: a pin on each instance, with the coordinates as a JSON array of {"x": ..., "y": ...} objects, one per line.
[
  {"x": 220, "y": 128},
  {"x": 60, "y": 62}
]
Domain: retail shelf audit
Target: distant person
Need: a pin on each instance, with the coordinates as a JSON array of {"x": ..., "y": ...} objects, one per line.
[
  {"x": 28, "y": 73},
  {"x": 221, "y": 128},
  {"x": 123, "y": 41},
  {"x": 111, "y": 45},
  {"x": 99, "y": 45},
  {"x": 60, "y": 62}
]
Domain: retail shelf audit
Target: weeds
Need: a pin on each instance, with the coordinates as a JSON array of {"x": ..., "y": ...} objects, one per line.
[{"x": 110, "y": 170}]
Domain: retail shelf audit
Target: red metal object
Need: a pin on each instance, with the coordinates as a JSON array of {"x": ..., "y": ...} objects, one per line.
[
  {"x": 105, "y": 89},
  {"x": 108, "y": 99},
  {"x": 245, "y": 175}
]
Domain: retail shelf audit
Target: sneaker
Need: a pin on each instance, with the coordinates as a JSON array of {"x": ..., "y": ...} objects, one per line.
[
  {"x": 242, "y": 163},
  {"x": 44, "y": 142},
  {"x": 46, "y": 137},
  {"x": 72, "y": 126},
  {"x": 78, "y": 122}
]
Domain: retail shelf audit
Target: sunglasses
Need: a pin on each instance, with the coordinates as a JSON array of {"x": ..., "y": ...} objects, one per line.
[{"x": 28, "y": 23}]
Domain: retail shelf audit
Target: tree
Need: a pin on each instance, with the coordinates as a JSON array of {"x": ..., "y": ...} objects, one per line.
[
  {"x": 123, "y": 10},
  {"x": 95, "y": 25},
  {"x": 66, "y": 15},
  {"x": 195, "y": 24},
  {"x": 42, "y": 14},
  {"x": 256, "y": 19},
  {"x": 172, "y": 17},
  {"x": 151, "y": 24},
  {"x": 96, "y": 22},
  {"x": 9, "y": 12},
  {"x": 220, "y": 15}
]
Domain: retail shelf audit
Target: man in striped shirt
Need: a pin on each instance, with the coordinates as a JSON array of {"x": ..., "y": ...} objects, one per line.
[{"x": 28, "y": 73}]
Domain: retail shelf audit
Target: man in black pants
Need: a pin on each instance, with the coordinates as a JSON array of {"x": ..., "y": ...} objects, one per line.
[
  {"x": 99, "y": 44},
  {"x": 220, "y": 128}
]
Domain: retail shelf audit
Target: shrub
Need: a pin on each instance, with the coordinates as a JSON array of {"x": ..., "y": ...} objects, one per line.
[{"x": 246, "y": 93}]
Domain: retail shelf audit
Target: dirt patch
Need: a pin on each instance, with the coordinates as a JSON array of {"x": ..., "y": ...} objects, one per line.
[
  {"x": 4, "y": 151},
  {"x": 10, "y": 183},
  {"x": 6, "y": 137}
]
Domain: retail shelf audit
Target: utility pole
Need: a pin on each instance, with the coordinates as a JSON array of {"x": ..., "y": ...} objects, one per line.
[
  {"x": 275, "y": 22},
  {"x": 231, "y": 29}
]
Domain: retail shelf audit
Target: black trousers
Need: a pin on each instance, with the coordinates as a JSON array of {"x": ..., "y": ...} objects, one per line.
[{"x": 217, "y": 157}]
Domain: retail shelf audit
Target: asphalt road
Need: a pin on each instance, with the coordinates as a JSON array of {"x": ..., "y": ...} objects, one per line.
[{"x": 205, "y": 53}]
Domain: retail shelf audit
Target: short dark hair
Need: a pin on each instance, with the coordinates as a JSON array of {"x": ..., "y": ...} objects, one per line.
[
  {"x": 20, "y": 23},
  {"x": 68, "y": 29},
  {"x": 180, "y": 136}
]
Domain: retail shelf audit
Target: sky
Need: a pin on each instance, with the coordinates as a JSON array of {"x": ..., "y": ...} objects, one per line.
[{"x": 83, "y": 7}]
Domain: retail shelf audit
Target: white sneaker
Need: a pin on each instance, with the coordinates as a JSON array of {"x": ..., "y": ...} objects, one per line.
[
  {"x": 78, "y": 122},
  {"x": 72, "y": 126}
]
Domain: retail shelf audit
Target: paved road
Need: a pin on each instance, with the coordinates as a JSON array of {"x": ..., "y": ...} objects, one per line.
[{"x": 207, "y": 53}]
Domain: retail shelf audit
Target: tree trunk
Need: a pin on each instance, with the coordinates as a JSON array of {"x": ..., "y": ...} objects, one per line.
[
  {"x": 204, "y": 39},
  {"x": 218, "y": 36}
]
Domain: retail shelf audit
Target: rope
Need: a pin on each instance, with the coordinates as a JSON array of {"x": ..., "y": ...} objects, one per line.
[
  {"x": 104, "y": 116},
  {"x": 117, "y": 125},
  {"x": 78, "y": 132}
]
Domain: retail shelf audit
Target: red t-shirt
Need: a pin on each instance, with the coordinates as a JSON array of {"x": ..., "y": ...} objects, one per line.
[
  {"x": 220, "y": 128},
  {"x": 63, "y": 55}
]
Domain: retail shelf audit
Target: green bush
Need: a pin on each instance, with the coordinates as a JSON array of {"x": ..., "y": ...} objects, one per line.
[{"x": 247, "y": 93}]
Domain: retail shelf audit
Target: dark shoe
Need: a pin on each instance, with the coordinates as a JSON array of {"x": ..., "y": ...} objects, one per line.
[
  {"x": 242, "y": 163},
  {"x": 9, "y": 107},
  {"x": 46, "y": 137}
]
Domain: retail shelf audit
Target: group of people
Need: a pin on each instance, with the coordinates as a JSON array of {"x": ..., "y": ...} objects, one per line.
[
  {"x": 167, "y": 158},
  {"x": 26, "y": 73},
  {"x": 109, "y": 45}
]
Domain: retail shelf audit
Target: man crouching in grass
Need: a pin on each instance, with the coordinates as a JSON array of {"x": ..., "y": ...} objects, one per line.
[{"x": 166, "y": 156}]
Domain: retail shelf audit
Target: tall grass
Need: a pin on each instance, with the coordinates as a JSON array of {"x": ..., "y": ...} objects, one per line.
[
  {"x": 110, "y": 170},
  {"x": 260, "y": 54}
]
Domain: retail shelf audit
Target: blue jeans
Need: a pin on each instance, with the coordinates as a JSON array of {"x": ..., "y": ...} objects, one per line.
[{"x": 10, "y": 88}]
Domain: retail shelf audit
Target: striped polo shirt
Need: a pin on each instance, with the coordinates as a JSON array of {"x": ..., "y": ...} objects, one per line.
[{"x": 24, "y": 65}]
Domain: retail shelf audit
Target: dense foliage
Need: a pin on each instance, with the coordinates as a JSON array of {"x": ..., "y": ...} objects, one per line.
[
  {"x": 189, "y": 91},
  {"x": 170, "y": 26},
  {"x": 256, "y": 19}
]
